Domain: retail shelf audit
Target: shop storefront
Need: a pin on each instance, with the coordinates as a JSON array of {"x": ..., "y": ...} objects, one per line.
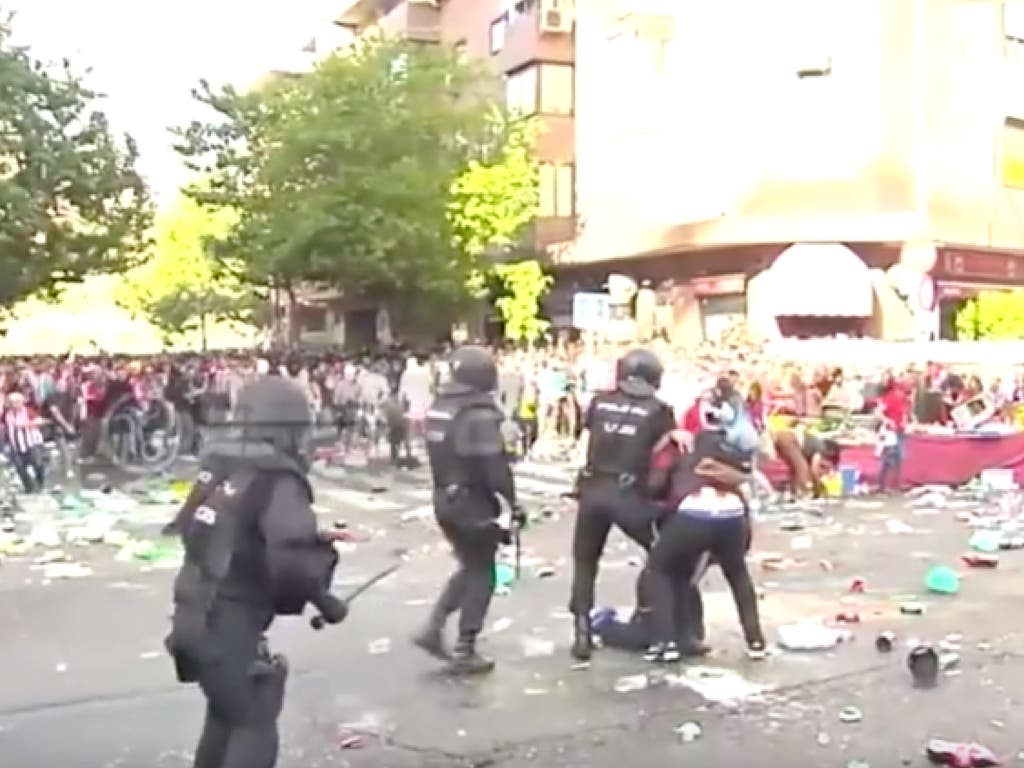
[
  {"x": 723, "y": 304},
  {"x": 962, "y": 274}
]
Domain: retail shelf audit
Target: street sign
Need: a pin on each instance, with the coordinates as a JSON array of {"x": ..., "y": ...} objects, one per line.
[{"x": 590, "y": 311}]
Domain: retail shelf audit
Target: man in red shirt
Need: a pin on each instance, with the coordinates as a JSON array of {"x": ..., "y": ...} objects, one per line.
[{"x": 894, "y": 410}]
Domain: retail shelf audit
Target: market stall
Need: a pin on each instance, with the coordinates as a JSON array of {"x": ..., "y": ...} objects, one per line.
[{"x": 947, "y": 459}]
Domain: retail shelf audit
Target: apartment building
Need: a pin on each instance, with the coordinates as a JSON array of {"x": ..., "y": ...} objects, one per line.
[
  {"x": 798, "y": 165},
  {"x": 530, "y": 44},
  {"x": 711, "y": 137}
]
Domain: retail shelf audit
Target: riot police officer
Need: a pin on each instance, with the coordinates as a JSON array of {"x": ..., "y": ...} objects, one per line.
[
  {"x": 252, "y": 552},
  {"x": 623, "y": 428},
  {"x": 473, "y": 490}
]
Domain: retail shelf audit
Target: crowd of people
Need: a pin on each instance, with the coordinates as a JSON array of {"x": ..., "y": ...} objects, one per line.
[
  {"x": 383, "y": 396},
  {"x": 667, "y": 445}
]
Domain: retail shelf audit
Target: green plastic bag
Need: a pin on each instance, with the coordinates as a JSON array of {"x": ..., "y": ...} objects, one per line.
[
  {"x": 943, "y": 580},
  {"x": 504, "y": 575}
]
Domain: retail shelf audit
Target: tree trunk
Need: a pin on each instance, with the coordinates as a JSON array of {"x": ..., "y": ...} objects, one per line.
[
  {"x": 202, "y": 332},
  {"x": 292, "y": 328}
]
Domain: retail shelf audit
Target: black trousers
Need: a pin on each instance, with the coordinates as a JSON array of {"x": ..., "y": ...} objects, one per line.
[
  {"x": 637, "y": 634},
  {"x": 603, "y": 504},
  {"x": 682, "y": 545},
  {"x": 244, "y": 689},
  {"x": 470, "y": 588},
  {"x": 688, "y": 614},
  {"x": 29, "y": 466}
]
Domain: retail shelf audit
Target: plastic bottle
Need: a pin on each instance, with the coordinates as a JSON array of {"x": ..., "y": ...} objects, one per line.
[{"x": 960, "y": 754}]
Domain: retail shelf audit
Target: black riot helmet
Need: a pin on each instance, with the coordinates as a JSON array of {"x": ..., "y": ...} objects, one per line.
[
  {"x": 474, "y": 367},
  {"x": 274, "y": 411},
  {"x": 639, "y": 373}
]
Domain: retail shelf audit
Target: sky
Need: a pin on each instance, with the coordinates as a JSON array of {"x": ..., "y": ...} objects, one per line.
[{"x": 146, "y": 56}]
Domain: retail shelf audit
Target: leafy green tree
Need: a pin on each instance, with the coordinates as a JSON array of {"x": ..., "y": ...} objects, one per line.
[
  {"x": 992, "y": 315},
  {"x": 71, "y": 201},
  {"x": 524, "y": 284},
  {"x": 389, "y": 172},
  {"x": 184, "y": 287}
]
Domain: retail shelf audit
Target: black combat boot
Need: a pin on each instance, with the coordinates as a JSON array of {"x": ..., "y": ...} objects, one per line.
[
  {"x": 583, "y": 641},
  {"x": 430, "y": 639},
  {"x": 466, "y": 661}
]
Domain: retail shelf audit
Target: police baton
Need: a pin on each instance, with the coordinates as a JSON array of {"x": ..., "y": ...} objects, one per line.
[{"x": 318, "y": 622}]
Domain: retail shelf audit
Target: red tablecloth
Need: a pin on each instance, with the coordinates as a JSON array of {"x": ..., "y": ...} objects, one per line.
[{"x": 934, "y": 459}]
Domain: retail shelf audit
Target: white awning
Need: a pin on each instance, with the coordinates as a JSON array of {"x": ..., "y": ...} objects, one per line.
[{"x": 821, "y": 280}]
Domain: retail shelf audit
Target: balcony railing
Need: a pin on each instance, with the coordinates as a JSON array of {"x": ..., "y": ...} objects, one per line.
[
  {"x": 529, "y": 39},
  {"x": 415, "y": 19}
]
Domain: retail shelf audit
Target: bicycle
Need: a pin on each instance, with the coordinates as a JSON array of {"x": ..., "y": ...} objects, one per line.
[{"x": 140, "y": 438}]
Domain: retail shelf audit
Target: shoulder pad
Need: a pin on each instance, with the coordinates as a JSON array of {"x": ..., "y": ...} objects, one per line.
[{"x": 478, "y": 431}]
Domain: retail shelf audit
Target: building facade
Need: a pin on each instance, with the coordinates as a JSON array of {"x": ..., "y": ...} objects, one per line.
[
  {"x": 530, "y": 44},
  {"x": 712, "y": 136},
  {"x": 691, "y": 145}
]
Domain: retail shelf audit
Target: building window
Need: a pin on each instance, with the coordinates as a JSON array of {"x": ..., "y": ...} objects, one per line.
[
  {"x": 522, "y": 8},
  {"x": 545, "y": 88},
  {"x": 557, "y": 191},
  {"x": 1013, "y": 153},
  {"x": 498, "y": 28},
  {"x": 556, "y": 89},
  {"x": 521, "y": 91}
]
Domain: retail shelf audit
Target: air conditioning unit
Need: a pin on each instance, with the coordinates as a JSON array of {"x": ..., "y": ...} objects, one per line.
[{"x": 555, "y": 16}]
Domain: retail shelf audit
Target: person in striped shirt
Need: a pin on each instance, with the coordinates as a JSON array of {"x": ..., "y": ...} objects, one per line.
[{"x": 24, "y": 441}]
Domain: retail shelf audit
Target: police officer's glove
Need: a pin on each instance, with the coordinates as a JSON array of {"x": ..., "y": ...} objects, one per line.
[
  {"x": 333, "y": 610},
  {"x": 504, "y": 535}
]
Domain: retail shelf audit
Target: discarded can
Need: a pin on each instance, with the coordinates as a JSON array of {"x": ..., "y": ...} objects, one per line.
[
  {"x": 923, "y": 663},
  {"x": 981, "y": 560},
  {"x": 848, "y": 617},
  {"x": 885, "y": 641},
  {"x": 858, "y": 586},
  {"x": 948, "y": 661},
  {"x": 911, "y": 609},
  {"x": 1015, "y": 543},
  {"x": 960, "y": 755}
]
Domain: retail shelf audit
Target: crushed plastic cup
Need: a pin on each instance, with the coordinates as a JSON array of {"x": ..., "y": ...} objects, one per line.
[
  {"x": 850, "y": 715},
  {"x": 688, "y": 732},
  {"x": 810, "y": 636},
  {"x": 537, "y": 647},
  {"x": 985, "y": 541},
  {"x": 631, "y": 683},
  {"x": 942, "y": 580},
  {"x": 960, "y": 754}
]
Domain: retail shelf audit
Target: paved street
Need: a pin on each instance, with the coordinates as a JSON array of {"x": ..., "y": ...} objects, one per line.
[{"x": 85, "y": 682}]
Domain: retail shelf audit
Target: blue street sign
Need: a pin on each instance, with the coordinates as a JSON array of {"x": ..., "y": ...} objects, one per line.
[{"x": 590, "y": 311}]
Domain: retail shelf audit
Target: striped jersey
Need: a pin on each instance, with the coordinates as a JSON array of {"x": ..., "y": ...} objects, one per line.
[{"x": 21, "y": 429}]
